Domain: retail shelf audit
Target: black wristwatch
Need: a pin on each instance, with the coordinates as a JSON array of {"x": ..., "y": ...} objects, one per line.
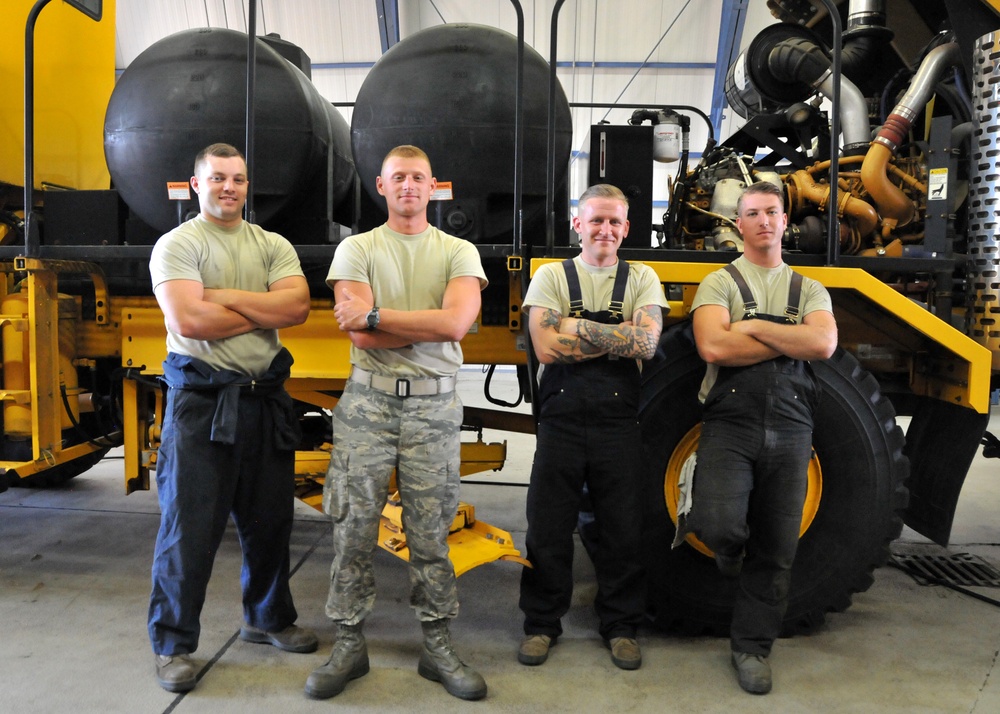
[{"x": 372, "y": 318}]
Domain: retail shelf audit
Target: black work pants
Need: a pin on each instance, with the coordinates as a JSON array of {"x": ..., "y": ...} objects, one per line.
[
  {"x": 585, "y": 436},
  {"x": 749, "y": 487}
]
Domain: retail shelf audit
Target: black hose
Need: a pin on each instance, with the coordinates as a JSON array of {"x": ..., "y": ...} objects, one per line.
[
  {"x": 499, "y": 402},
  {"x": 856, "y": 55},
  {"x": 798, "y": 60},
  {"x": 107, "y": 442}
]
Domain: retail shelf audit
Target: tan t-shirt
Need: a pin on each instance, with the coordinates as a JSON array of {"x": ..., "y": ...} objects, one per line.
[
  {"x": 245, "y": 258},
  {"x": 407, "y": 273},
  {"x": 549, "y": 289},
  {"x": 770, "y": 289}
]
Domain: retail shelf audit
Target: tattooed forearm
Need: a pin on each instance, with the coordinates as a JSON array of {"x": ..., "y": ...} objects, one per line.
[
  {"x": 574, "y": 350},
  {"x": 616, "y": 339},
  {"x": 651, "y": 318},
  {"x": 562, "y": 348},
  {"x": 637, "y": 341},
  {"x": 550, "y": 319}
]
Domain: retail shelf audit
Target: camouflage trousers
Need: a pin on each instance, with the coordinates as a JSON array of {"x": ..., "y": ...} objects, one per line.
[{"x": 374, "y": 433}]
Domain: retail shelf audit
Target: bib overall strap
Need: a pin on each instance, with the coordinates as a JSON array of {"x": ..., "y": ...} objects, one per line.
[
  {"x": 617, "y": 304},
  {"x": 794, "y": 295},
  {"x": 749, "y": 304},
  {"x": 575, "y": 294}
]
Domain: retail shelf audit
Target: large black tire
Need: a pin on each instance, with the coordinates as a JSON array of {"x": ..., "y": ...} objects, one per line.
[{"x": 860, "y": 450}]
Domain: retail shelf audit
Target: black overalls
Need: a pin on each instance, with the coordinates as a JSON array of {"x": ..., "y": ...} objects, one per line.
[
  {"x": 751, "y": 476},
  {"x": 588, "y": 433}
]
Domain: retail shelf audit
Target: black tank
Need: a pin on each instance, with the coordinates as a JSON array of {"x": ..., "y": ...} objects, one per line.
[
  {"x": 189, "y": 90},
  {"x": 450, "y": 90}
]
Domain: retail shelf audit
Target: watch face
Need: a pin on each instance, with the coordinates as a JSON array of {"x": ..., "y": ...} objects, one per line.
[{"x": 372, "y": 319}]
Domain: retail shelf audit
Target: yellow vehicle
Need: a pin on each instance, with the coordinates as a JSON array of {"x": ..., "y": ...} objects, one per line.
[{"x": 909, "y": 253}]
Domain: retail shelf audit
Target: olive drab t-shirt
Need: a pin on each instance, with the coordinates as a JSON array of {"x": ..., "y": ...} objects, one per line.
[
  {"x": 548, "y": 288},
  {"x": 407, "y": 272},
  {"x": 769, "y": 287},
  {"x": 244, "y": 258}
]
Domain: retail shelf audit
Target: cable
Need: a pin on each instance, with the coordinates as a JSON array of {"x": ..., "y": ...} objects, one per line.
[
  {"x": 500, "y": 402},
  {"x": 655, "y": 47},
  {"x": 438, "y": 12},
  {"x": 634, "y": 75},
  {"x": 991, "y": 446}
]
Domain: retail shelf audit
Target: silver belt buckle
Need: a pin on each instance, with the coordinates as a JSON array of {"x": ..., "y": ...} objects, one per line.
[{"x": 402, "y": 387}]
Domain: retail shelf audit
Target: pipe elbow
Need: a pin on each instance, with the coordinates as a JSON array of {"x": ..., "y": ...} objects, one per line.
[
  {"x": 856, "y": 53},
  {"x": 891, "y": 201},
  {"x": 863, "y": 213}
]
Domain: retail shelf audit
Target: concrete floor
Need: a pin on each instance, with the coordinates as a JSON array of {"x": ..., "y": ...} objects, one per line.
[{"x": 74, "y": 583}]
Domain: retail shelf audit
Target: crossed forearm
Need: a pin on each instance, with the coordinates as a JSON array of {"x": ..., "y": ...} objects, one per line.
[
  {"x": 635, "y": 339},
  {"x": 268, "y": 310},
  {"x": 575, "y": 349},
  {"x": 623, "y": 340},
  {"x": 552, "y": 346}
]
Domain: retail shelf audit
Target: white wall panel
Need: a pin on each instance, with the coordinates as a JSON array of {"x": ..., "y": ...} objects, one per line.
[{"x": 329, "y": 32}]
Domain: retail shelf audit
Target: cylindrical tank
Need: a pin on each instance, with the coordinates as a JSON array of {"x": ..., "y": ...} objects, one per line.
[
  {"x": 751, "y": 87},
  {"x": 188, "y": 91},
  {"x": 450, "y": 91}
]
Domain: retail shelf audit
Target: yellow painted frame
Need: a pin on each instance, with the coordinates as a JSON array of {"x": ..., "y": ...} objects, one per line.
[{"x": 966, "y": 382}]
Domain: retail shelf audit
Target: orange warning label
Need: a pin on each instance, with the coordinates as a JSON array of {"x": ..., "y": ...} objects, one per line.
[
  {"x": 442, "y": 192},
  {"x": 178, "y": 190}
]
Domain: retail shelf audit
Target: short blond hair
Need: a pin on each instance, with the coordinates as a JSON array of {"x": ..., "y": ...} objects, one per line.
[
  {"x": 407, "y": 151},
  {"x": 603, "y": 190}
]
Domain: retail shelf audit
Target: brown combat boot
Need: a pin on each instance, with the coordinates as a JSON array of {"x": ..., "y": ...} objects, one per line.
[{"x": 439, "y": 663}]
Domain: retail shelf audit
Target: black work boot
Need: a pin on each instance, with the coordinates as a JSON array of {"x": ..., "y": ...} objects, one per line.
[
  {"x": 348, "y": 660},
  {"x": 439, "y": 663}
]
